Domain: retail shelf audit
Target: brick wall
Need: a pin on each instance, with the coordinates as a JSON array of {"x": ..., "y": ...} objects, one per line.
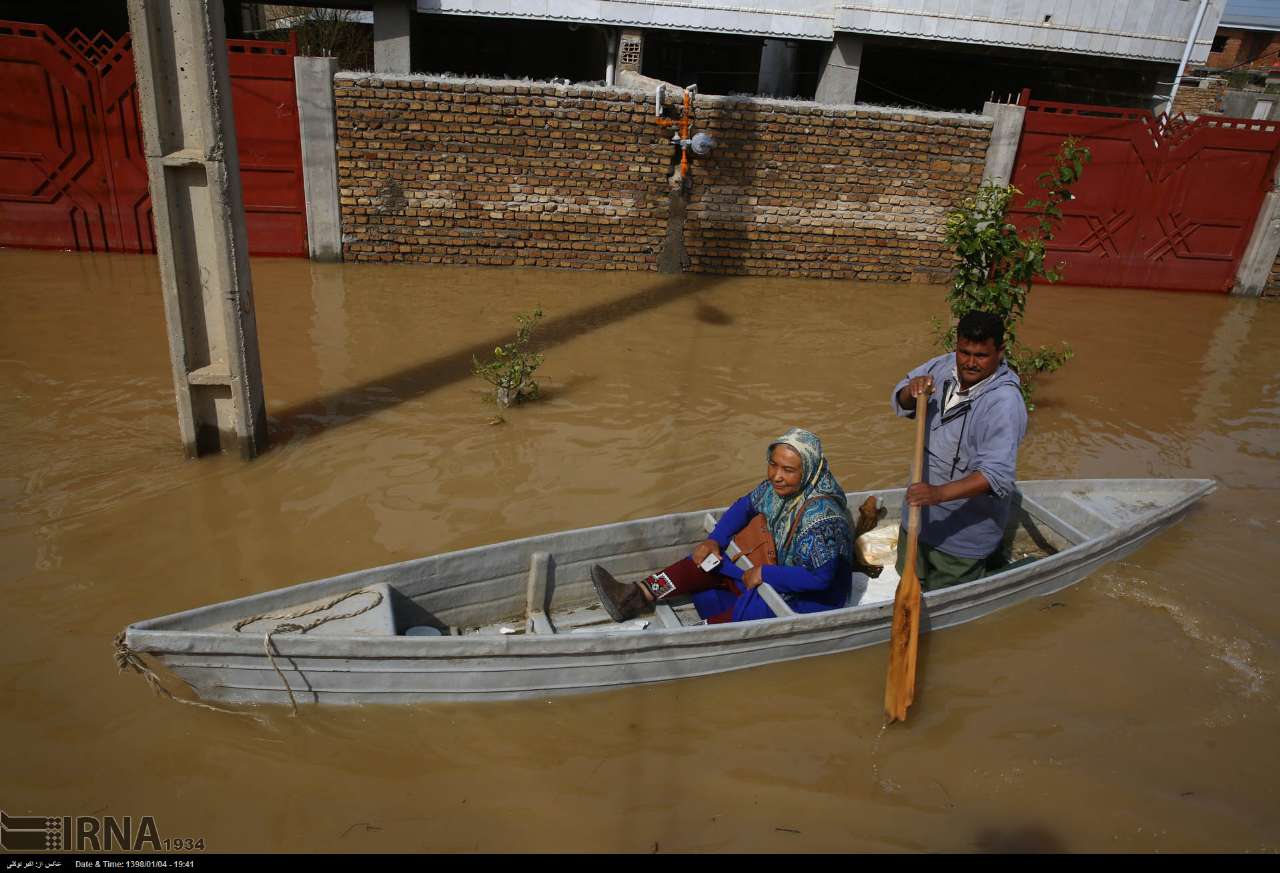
[
  {"x": 499, "y": 173},
  {"x": 1248, "y": 49},
  {"x": 1231, "y": 41},
  {"x": 488, "y": 172},
  {"x": 1272, "y": 288},
  {"x": 1195, "y": 100},
  {"x": 799, "y": 189}
]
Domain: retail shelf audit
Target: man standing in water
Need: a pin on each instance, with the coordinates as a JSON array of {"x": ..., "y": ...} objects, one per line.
[{"x": 974, "y": 426}]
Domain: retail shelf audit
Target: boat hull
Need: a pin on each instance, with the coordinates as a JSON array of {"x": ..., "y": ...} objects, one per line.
[{"x": 234, "y": 667}]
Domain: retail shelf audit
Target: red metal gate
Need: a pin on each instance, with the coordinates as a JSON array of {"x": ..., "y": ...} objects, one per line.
[
  {"x": 265, "y": 101},
  {"x": 1167, "y": 204},
  {"x": 72, "y": 170}
]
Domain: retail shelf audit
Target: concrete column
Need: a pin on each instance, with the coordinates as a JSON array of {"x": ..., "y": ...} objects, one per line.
[
  {"x": 777, "y": 69},
  {"x": 1006, "y": 133},
  {"x": 314, "y": 79},
  {"x": 1260, "y": 254},
  {"x": 611, "y": 55},
  {"x": 838, "y": 80},
  {"x": 392, "y": 21},
  {"x": 189, "y": 138}
]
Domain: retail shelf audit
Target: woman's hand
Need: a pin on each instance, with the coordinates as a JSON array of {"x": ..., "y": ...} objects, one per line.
[
  {"x": 706, "y": 547},
  {"x": 753, "y": 577}
]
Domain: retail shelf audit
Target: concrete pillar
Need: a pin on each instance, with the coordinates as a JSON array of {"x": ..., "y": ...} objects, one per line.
[
  {"x": 189, "y": 138},
  {"x": 314, "y": 79},
  {"x": 838, "y": 79},
  {"x": 1006, "y": 134},
  {"x": 777, "y": 69},
  {"x": 1260, "y": 254},
  {"x": 392, "y": 21},
  {"x": 611, "y": 55}
]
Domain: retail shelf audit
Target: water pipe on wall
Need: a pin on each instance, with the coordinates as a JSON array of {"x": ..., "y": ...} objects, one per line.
[{"x": 700, "y": 143}]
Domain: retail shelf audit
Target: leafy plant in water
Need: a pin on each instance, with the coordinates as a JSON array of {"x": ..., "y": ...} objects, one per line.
[
  {"x": 510, "y": 370},
  {"x": 997, "y": 265}
]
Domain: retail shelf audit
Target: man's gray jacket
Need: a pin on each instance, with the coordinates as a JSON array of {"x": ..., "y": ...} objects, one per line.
[{"x": 981, "y": 434}]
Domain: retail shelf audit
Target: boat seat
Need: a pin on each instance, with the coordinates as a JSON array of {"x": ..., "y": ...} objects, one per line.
[
  {"x": 864, "y": 590},
  {"x": 666, "y": 616},
  {"x": 770, "y": 595}
]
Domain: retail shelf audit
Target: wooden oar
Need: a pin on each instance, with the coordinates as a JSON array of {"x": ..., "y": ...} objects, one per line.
[{"x": 900, "y": 685}]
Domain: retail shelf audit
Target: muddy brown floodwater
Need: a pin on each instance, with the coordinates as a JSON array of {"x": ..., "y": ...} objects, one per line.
[{"x": 1134, "y": 711}]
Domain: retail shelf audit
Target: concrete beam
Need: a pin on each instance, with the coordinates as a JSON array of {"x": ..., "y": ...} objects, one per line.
[
  {"x": 1006, "y": 134},
  {"x": 392, "y": 23},
  {"x": 838, "y": 79},
  {"x": 777, "y": 69},
  {"x": 318, "y": 129},
  {"x": 189, "y": 139}
]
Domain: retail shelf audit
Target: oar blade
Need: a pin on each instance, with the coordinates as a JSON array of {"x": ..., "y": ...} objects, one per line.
[
  {"x": 904, "y": 638},
  {"x": 900, "y": 683}
]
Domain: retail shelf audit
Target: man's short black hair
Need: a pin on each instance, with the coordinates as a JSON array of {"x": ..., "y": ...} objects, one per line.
[{"x": 978, "y": 327}]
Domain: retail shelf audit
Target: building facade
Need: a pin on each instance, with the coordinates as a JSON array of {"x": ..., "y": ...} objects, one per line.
[
  {"x": 837, "y": 51},
  {"x": 1248, "y": 38}
]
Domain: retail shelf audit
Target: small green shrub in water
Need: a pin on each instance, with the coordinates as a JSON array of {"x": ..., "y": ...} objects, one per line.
[
  {"x": 510, "y": 370},
  {"x": 997, "y": 266}
]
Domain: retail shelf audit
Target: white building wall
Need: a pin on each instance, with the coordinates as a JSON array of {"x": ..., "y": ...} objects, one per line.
[
  {"x": 1153, "y": 30},
  {"x": 793, "y": 19}
]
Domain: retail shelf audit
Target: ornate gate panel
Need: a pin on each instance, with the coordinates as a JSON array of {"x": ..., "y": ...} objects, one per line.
[
  {"x": 1167, "y": 204},
  {"x": 72, "y": 170},
  {"x": 55, "y": 187}
]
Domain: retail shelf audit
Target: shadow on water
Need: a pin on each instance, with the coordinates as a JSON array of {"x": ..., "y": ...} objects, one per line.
[
  {"x": 719, "y": 235},
  {"x": 709, "y": 314},
  {"x": 352, "y": 404},
  {"x": 1027, "y": 838}
]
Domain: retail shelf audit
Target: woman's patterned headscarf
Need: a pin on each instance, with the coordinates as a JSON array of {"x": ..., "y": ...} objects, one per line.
[{"x": 824, "y": 531}]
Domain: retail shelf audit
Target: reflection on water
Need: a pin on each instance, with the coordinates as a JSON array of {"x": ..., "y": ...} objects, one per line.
[{"x": 1132, "y": 717}]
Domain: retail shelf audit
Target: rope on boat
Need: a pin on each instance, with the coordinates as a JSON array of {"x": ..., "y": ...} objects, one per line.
[
  {"x": 128, "y": 659},
  {"x": 290, "y": 627}
]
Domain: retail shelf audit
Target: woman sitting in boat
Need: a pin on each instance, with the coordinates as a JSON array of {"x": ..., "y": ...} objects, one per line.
[{"x": 805, "y": 510}]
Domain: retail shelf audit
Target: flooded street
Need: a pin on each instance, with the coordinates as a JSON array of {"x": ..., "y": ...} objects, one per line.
[{"x": 1136, "y": 711}]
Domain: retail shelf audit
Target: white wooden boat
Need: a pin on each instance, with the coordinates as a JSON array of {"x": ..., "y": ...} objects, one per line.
[{"x": 519, "y": 619}]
